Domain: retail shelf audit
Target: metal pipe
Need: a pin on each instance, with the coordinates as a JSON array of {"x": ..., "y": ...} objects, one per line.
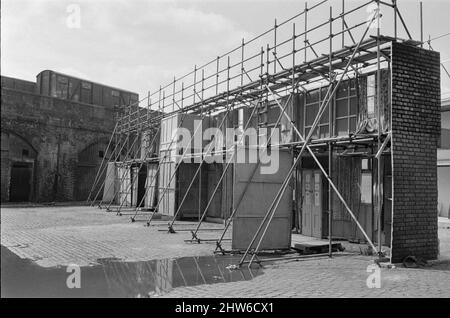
[
  {"x": 421, "y": 25},
  {"x": 330, "y": 147},
  {"x": 379, "y": 177}
]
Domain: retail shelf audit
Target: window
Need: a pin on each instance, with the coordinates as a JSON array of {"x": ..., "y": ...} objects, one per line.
[
  {"x": 25, "y": 152},
  {"x": 346, "y": 108},
  {"x": 313, "y": 101},
  {"x": 101, "y": 154},
  {"x": 371, "y": 96}
]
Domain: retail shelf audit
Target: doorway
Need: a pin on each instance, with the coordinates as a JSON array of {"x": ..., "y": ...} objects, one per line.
[
  {"x": 312, "y": 193},
  {"x": 20, "y": 182}
]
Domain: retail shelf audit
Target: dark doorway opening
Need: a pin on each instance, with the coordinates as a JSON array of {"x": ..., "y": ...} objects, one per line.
[
  {"x": 142, "y": 176},
  {"x": 21, "y": 181}
]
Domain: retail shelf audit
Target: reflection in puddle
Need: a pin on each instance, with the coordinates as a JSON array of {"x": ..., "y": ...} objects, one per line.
[{"x": 115, "y": 278}]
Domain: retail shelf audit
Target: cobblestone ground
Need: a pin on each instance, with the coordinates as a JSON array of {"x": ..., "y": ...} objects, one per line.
[
  {"x": 63, "y": 235},
  {"x": 342, "y": 276},
  {"x": 54, "y": 236}
]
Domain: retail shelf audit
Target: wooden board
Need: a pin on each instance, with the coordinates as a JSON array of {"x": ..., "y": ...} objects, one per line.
[{"x": 258, "y": 197}]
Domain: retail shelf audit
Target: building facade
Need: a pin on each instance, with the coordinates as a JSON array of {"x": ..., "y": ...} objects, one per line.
[
  {"x": 54, "y": 135},
  {"x": 444, "y": 161}
]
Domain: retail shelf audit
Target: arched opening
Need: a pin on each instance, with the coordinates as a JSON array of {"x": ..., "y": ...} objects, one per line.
[{"x": 18, "y": 162}]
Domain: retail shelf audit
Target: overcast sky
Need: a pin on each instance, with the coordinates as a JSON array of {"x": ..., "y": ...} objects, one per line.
[{"x": 138, "y": 45}]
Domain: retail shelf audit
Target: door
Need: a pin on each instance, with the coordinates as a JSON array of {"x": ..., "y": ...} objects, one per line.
[
  {"x": 312, "y": 203},
  {"x": 307, "y": 193},
  {"x": 317, "y": 206},
  {"x": 141, "y": 186},
  {"x": 20, "y": 184}
]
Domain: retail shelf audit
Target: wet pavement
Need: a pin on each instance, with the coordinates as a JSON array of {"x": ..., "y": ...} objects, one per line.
[
  {"x": 124, "y": 259},
  {"x": 116, "y": 278}
]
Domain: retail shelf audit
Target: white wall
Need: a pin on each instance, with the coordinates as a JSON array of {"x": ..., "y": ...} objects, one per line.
[{"x": 443, "y": 190}]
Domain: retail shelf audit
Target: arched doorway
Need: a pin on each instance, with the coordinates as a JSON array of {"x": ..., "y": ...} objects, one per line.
[{"x": 18, "y": 162}]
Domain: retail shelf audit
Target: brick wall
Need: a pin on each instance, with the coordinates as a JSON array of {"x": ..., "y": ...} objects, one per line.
[
  {"x": 415, "y": 134},
  {"x": 51, "y": 126}
]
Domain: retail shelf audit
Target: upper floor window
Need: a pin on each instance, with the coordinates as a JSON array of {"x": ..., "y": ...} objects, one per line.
[
  {"x": 313, "y": 101},
  {"x": 371, "y": 96},
  {"x": 346, "y": 108}
]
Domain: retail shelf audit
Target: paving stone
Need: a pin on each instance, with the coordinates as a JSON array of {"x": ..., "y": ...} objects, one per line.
[{"x": 65, "y": 235}]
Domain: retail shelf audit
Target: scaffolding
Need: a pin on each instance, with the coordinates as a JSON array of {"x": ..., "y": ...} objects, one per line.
[{"x": 272, "y": 66}]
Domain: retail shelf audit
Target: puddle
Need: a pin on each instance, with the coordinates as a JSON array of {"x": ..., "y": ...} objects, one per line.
[{"x": 116, "y": 278}]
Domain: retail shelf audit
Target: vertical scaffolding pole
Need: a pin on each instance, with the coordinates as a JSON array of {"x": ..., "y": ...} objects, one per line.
[
  {"x": 293, "y": 58},
  {"x": 394, "y": 4},
  {"x": 421, "y": 25},
  {"x": 149, "y": 106},
  {"x": 343, "y": 24},
  {"x": 306, "y": 31},
  {"x": 201, "y": 155},
  {"x": 275, "y": 47},
  {"x": 379, "y": 177},
  {"x": 330, "y": 147}
]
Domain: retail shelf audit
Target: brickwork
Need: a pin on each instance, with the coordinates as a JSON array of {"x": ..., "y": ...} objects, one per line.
[
  {"x": 54, "y": 128},
  {"x": 415, "y": 134}
]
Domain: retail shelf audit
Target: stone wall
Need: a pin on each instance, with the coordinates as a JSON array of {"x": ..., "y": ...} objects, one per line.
[{"x": 58, "y": 130}]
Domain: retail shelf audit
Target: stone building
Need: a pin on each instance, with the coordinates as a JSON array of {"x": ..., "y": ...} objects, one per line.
[{"x": 54, "y": 133}]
